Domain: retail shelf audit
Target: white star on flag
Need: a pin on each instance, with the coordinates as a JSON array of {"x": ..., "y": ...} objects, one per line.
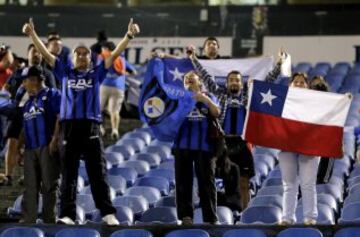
[
  {"x": 267, "y": 97},
  {"x": 177, "y": 75}
]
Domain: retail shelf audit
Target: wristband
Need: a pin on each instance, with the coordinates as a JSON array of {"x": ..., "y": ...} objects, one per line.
[{"x": 130, "y": 37}]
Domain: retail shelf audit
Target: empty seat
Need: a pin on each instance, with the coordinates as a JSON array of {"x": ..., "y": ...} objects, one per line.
[
  {"x": 145, "y": 136},
  {"x": 326, "y": 199},
  {"x": 87, "y": 191},
  {"x": 245, "y": 233},
  {"x": 154, "y": 160},
  {"x": 331, "y": 189},
  {"x": 266, "y": 200},
  {"x": 163, "y": 151},
  {"x": 300, "y": 232},
  {"x": 169, "y": 201},
  {"x": 325, "y": 215},
  {"x": 138, "y": 204},
  {"x": 273, "y": 182},
  {"x": 124, "y": 215},
  {"x": 187, "y": 233},
  {"x": 86, "y": 202},
  {"x": 302, "y": 67},
  {"x": 225, "y": 216},
  {"x": 118, "y": 183},
  {"x": 160, "y": 215},
  {"x": 167, "y": 165},
  {"x": 131, "y": 233},
  {"x": 169, "y": 174},
  {"x": 151, "y": 194},
  {"x": 261, "y": 215},
  {"x": 137, "y": 143},
  {"x": 125, "y": 150},
  {"x": 350, "y": 214},
  {"x": 115, "y": 158},
  {"x": 140, "y": 166},
  {"x": 348, "y": 232},
  {"x": 128, "y": 173},
  {"x": 16, "y": 210},
  {"x": 271, "y": 190},
  {"x": 162, "y": 184},
  {"x": 75, "y": 232},
  {"x": 22, "y": 231}
]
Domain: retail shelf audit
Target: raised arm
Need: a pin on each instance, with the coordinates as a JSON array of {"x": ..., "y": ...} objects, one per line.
[
  {"x": 207, "y": 79},
  {"x": 133, "y": 29},
  {"x": 29, "y": 30},
  {"x": 272, "y": 75}
]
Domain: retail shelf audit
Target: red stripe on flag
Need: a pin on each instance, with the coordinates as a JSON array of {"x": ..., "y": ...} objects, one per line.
[{"x": 289, "y": 135}]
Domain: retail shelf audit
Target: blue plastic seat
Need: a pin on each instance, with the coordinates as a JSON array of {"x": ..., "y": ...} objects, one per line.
[
  {"x": 123, "y": 214},
  {"x": 351, "y": 198},
  {"x": 225, "y": 215},
  {"x": 300, "y": 232},
  {"x": 271, "y": 190},
  {"x": 162, "y": 184},
  {"x": 302, "y": 67},
  {"x": 266, "y": 200},
  {"x": 138, "y": 204},
  {"x": 75, "y": 232},
  {"x": 16, "y": 210},
  {"x": 272, "y": 182},
  {"x": 325, "y": 215},
  {"x": 145, "y": 136},
  {"x": 169, "y": 174},
  {"x": 331, "y": 189},
  {"x": 22, "y": 231},
  {"x": 128, "y": 173},
  {"x": 86, "y": 202},
  {"x": 350, "y": 214},
  {"x": 187, "y": 233},
  {"x": 115, "y": 158},
  {"x": 276, "y": 173},
  {"x": 131, "y": 233},
  {"x": 261, "y": 215},
  {"x": 140, "y": 166},
  {"x": 244, "y": 232},
  {"x": 137, "y": 143},
  {"x": 118, "y": 183},
  {"x": 169, "y": 201},
  {"x": 348, "y": 232},
  {"x": 87, "y": 191},
  {"x": 167, "y": 165},
  {"x": 163, "y": 151},
  {"x": 326, "y": 199},
  {"x": 154, "y": 160},
  {"x": 125, "y": 150},
  {"x": 160, "y": 215},
  {"x": 151, "y": 194}
]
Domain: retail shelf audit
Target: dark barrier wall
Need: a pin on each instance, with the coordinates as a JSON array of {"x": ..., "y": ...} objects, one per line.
[{"x": 246, "y": 25}]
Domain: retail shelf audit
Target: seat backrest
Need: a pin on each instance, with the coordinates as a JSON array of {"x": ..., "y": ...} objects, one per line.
[
  {"x": 138, "y": 204},
  {"x": 261, "y": 214},
  {"x": 244, "y": 232},
  {"x": 75, "y": 232},
  {"x": 131, "y": 233},
  {"x": 160, "y": 214},
  {"x": 169, "y": 201},
  {"x": 22, "y": 231},
  {"x": 151, "y": 194},
  {"x": 300, "y": 232},
  {"x": 348, "y": 232},
  {"x": 140, "y": 166},
  {"x": 118, "y": 183},
  {"x": 128, "y": 173},
  {"x": 266, "y": 200},
  {"x": 225, "y": 215},
  {"x": 188, "y": 233},
  {"x": 162, "y": 184},
  {"x": 351, "y": 211},
  {"x": 325, "y": 214},
  {"x": 125, "y": 150}
]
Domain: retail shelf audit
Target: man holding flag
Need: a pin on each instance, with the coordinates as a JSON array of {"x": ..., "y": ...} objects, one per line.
[{"x": 176, "y": 109}]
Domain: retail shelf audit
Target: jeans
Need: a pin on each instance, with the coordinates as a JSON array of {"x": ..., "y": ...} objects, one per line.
[{"x": 299, "y": 169}]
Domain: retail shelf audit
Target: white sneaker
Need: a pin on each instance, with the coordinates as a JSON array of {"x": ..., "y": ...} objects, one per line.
[
  {"x": 110, "y": 219},
  {"x": 65, "y": 220}
]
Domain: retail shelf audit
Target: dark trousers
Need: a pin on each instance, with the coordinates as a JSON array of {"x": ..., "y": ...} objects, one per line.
[
  {"x": 204, "y": 163},
  {"x": 81, "y": 138},
  {"x": 41, "y": 171}
]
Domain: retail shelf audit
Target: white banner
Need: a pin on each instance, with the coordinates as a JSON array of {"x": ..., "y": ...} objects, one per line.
[
  {"x": 139, "y": 48},
  {"x": 253, "y": 68}
]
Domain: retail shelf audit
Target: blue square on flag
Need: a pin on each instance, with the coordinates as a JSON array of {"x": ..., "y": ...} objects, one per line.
[
  {"x": 150, "y": 110},
  {"x": 268, "y": 98}
]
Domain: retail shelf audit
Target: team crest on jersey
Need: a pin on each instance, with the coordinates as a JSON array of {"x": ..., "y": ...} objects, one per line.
[
  {"x": 196, "y": 115},
  {"x": 154, "y": 107},
  {"x": 33, "y": 112},
  {"x": 80, "y": 84}
]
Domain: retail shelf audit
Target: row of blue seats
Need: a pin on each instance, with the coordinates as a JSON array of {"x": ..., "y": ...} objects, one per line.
[{"x": 75, "y": 232}]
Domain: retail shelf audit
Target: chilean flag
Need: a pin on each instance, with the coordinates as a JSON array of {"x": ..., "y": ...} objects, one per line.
[{"x": 295, "y": 119}]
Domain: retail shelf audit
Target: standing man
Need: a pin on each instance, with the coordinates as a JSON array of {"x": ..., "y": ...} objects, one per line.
[
  {"x": 80, "y": 119},
  {"x": 211, "y": 49},
  {"x": 41, "y": 167}
]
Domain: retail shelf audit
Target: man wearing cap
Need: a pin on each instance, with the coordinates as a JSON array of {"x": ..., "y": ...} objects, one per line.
[
  {"x": 80, "y": 118},
  {"x": 41, "y": 167},
  {"x": 17, "y": 92}
]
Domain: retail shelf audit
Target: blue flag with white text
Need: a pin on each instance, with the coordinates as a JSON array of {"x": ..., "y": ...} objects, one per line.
[{"x": 164, "y": 103}]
